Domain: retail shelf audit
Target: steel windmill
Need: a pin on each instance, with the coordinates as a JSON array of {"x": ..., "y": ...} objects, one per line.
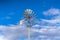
[{"x": 29, "y": 17}]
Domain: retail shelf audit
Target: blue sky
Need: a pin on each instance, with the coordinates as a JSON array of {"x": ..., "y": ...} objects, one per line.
[
  {"x": 47, "y": 12},
  {"x": 12, "y": 10}
]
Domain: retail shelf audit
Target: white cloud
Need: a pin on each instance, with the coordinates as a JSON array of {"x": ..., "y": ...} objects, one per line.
[
  {"x": 52, "y": 11},
  {"x": 51, "y": 22},
  {"x": 15, "y": 32},
  {"x": 55, "y": 17},
  {"x": 2, "y": 37},
  {"x": 49, "y": 33}
]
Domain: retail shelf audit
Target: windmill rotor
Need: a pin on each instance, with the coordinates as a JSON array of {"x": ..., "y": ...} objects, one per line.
[{"x": 29, "y": 16}]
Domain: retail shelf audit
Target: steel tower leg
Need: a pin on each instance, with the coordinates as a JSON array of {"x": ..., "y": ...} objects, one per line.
[{"x": 28, "y": 33}]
